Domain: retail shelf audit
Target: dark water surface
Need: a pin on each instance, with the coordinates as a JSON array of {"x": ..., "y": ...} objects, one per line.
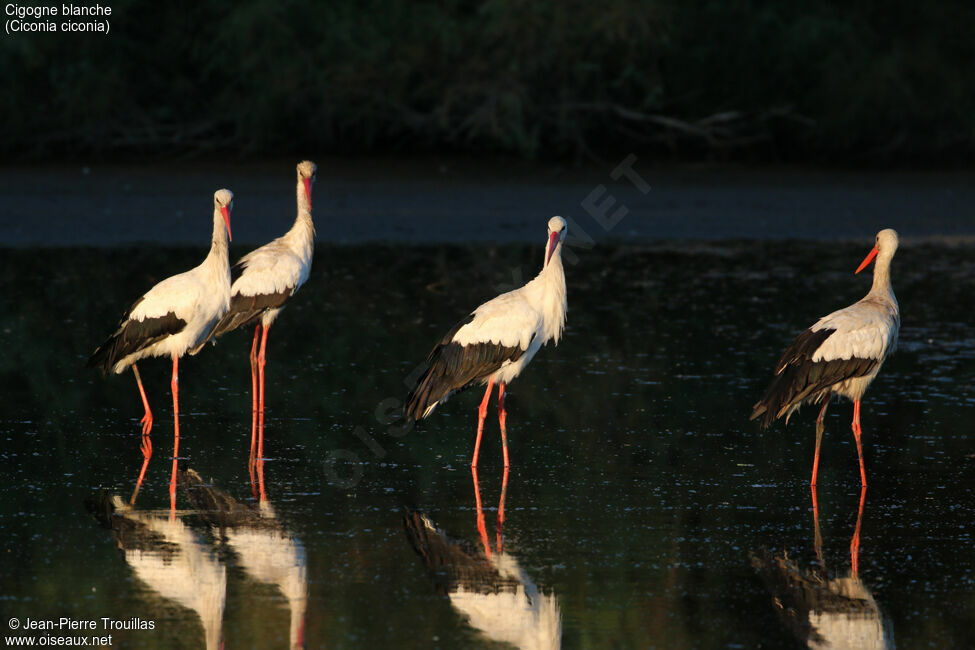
[
  {"x": 474, "y": 201},
  {"x": 640, "y": 499}
]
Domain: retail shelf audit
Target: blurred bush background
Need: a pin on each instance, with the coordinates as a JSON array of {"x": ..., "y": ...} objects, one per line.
[{"x": 861, "y": 82}]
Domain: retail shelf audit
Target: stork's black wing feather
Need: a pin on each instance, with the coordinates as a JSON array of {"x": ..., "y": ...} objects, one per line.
[
  {"x": 134, "y": 335},
  {"x": 799, "y": 379},
  {"x": 452, "y": 367}
]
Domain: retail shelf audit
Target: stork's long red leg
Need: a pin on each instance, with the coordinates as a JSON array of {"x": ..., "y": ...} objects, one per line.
[
  {"x": 855, "y": 542},
  {"x": 174, "y": 385},
  {"x": 819, "y": 438},
  {"x": 822, "y": 411},
  {"x": 856, "y": 434},
  {"x": 147, "y": 418},
  {"x": 146, "y": 445},
  {"x": 481, "y": 414},
  {"x": 502, "y": 417},
  {"x": 261, "y": 359},
  {"x": 253, "y": 358}
]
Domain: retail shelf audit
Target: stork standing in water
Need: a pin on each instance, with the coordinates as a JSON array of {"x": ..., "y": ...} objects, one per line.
[
  {"x": 496, "y": 341},
  {"x": 839, "y": 355},
  {"x": 173, "y": 318},
  {"x": 263, "y": 280}
]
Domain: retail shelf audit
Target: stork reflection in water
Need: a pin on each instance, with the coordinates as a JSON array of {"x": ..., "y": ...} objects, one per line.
[
  {"x": 265, "y": 548},
  {"x": 170, "y": 558},
  {"x": 823, "y": 612},
  {"x": 488, "y": 588}
]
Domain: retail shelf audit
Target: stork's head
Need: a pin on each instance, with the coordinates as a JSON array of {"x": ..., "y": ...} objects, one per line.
[
  {"x": 223, "y": 201},
  {"x": 556, "y": 233},
  {"x": 884, "y": 245},
  {"x": 306, "y": 176}
]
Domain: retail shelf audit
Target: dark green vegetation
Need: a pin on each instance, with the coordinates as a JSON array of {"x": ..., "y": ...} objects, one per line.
[
  {"x": 861, "y": 82},
  {"x": 639, "y": 489}
]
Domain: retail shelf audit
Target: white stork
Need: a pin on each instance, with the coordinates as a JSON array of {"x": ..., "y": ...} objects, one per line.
[
  {"x": 262, "y": 281},
  {"x": 839, "y": 355},
  {"x": 496, "y": 341},
  {"x": 171, "y": 319}
]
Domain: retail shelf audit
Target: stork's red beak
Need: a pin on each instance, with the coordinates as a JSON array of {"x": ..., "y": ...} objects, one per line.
[
  {"x": 553, "y": 239},
  {"x": 866, "y": 261},
  {"x": 307, "y": 182},
  {"x": 225, "y": 211}
]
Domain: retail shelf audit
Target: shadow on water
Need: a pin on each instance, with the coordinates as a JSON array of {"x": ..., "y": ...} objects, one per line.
[
  {"x": 823, "y": 612},
  {"x": 489, "y": 589}
]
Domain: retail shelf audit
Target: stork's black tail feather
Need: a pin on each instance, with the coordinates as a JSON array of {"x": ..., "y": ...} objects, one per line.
[
  {"x": 430, "y": 389},
  {"x": 419, "y": 400},
  {"x": 106, "y": 354},
  {"x": 776, "y": 397},
  {"x": 129, "y": 338}
]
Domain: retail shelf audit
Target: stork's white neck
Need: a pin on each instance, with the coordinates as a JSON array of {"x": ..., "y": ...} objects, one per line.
[
  {"x": 303, "y": 203},
  {"x": 218, "y": 245},
  {"x": 882, "y": 288},
  {"x": 301, "y": 237},
  {"x": 547, "y": 293},
  {"x": 216, "y": 266}
]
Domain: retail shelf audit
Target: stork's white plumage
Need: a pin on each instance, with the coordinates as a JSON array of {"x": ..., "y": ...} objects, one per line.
[
  {"x": 172, "y": 318},
  {"x": 496, "y": 341},
  {"x": 840, "y": 354},
  {"x": 264, "y": 279}
]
